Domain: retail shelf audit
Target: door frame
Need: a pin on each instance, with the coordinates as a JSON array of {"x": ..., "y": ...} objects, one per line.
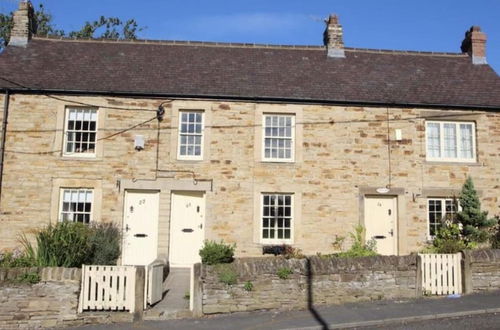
[
  {"x": 124, "y": 205},
  {"x": 400, "y": 221},
  {"x": 172, "y": 192}
]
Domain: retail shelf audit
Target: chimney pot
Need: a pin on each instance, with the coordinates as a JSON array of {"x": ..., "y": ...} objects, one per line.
[
  {"x": 24, "y": 25},
  {"x": 333, "y": 37},
  {"x": 474, "y": 44}
]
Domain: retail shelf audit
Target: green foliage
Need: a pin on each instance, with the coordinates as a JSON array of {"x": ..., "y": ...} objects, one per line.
[
  {"x": 226, "y": 273},
  {"x": 358, "y": 248},
  {"x": 28, "y": 278},
  {"x": 475, "y": 223},
  {"x": 15, "y": 258},
  {"x": 495, "y": 238},
  {"x": 284, "y": 273},
  {"x": 216, "y": 253},
  {"x": 71, "y": 244},
  {"x": 248, "y": 286},
  {"x": 105, "y": 241},
  {"x": 187, "y": 295},
  {"x": 104, "y": 27},
  {"x": 448, "y": 240},
  {"x": 110, "y": 27}
]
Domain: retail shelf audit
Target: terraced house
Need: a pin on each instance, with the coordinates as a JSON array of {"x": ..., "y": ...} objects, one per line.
[{"x": 178, "y": 142}]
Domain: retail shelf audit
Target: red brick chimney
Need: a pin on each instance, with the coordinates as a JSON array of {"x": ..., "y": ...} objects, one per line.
[
  {"x": 474, "y": 44},
  {"x": 24, "y": 25},
  {"x": 333, "y": 37}
]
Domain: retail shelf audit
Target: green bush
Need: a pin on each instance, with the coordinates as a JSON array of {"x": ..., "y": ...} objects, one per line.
[
  {"x": 284, "y": 273},
  {"x": 71, "y": 244},
  {"x": 217, "y": 253},
  {"x": 105, "y": 241},
  {"x": 358, "y": 248},
  {"x": 227, "y": 274},
  {"x": 495, "y": 239},
  {"x": 15, "y": 258},
  {"x": 448, "y": 240}
]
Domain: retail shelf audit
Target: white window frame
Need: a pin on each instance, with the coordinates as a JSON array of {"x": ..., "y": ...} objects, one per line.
[
  {"x": 191, "y": 157},
  {"x": 443, "y": 211},
  {"x": 65, "y": 139},
  {"x": 292, "y": 138},
  {"x": 292, "y": 221},
  {"x": 457, "y": 141},
  {"x": 61, "y": 201}
]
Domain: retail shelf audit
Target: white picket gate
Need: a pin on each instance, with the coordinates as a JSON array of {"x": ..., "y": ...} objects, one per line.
[
  {"x": 441, "y": 273},
  {"x": 153, "y": 283},
  {"x": 107, "y": 288}
]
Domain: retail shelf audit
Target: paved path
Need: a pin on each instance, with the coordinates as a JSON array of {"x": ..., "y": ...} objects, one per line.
[{"x": 370, "y": 314}]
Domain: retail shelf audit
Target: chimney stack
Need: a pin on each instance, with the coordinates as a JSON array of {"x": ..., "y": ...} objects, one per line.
[
  {"x": 474, "y": 44},
  {"x": 333, "y": 37},
  {"x": 24, "y": 25}
]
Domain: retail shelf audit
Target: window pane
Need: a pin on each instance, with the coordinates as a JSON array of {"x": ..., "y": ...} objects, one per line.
[
  {"x": 277, "y": 136},
  {"x": 433, "y": 140},
  {"x": 466, "y": 141},
  {"x": 81, "y": 129},
  {"x": 76, "y": 205},
  {"x": 450, "y": 140}
]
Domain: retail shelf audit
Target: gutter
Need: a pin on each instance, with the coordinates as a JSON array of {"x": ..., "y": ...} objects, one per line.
[
  {"x": 4, "y": 135},
  {"x": 256, "y": 99}
]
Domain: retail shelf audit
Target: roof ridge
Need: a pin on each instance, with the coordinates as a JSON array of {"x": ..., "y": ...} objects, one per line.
[{"x": 243, "y": 45}]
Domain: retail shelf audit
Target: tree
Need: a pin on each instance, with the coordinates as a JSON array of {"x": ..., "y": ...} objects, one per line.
[
  {"x": 104, "y": 27},
  {"x": 475, "y": 223}
]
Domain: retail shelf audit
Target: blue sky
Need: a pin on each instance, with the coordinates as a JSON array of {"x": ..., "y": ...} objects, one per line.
[{"x": 427, "y": 25}]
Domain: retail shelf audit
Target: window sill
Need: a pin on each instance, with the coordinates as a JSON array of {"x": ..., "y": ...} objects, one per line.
[
  {"x": 80, "y": 158},
  {"x": 278, "y": 162},
  {"x": 452, "y": 163}
]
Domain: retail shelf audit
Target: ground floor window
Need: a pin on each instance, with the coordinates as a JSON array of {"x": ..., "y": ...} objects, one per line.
[
  {"x": 439, "y": 210},
  {"x": 76, "y": 205},
  {"x": 277, "y": 217}
]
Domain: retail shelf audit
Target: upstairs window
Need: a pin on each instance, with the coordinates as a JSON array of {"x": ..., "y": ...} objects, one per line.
[
  {"x": 278, "y": 138},
  {"x": 80, "y": 132},
  {"x": 451, "y": 141},
  {"x": 190, "y": 135},
  {"x": 76, "y": 205},
  {"x": 277, "y": 210},
  {"x": 438, "y": 211}
]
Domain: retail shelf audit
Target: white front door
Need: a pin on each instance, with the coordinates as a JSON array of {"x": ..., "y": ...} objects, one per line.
[
  {"x": 140, "y": 227},
  {"x": 186, "y": 228},
  {"x": 381, "y": 223}
]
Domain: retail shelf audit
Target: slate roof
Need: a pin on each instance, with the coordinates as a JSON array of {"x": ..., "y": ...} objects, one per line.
[{"x": 241, "y": 71}]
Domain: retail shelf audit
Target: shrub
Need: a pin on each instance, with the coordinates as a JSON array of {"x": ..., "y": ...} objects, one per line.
[
  {"x": 475, "y": 223},
  {"x": 248, "y": 286},
  {"x": 71, "y": 244},
  {"x": 105, "y": 241},
  {"x": 227, "y": 274},
  {"x": 284, "y": 273},
  {"x": 65, "y": 244},
  {"x": 495, "y": 239},
  {"x": 448, "y": 239},
  {"x": 15, "y": 258},
  {"x": 216, "y": 253},
  {"x": 358, "y": 248}
]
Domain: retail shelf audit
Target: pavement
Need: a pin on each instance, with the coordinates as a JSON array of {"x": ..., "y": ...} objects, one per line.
[{"x": 355, "y": 315}]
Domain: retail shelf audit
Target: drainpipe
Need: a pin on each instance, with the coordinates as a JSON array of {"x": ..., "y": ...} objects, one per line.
[{"x": 4, "y": 135}]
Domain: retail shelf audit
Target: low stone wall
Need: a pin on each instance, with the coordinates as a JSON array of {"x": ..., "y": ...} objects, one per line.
[
  {"x": 333, "y": 281},
  {"x": 485, "y": 270},
  {"x": 51, "y": 302}
]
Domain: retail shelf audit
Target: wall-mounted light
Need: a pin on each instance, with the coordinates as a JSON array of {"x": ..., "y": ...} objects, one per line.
[{"x": 139, "y": 142}]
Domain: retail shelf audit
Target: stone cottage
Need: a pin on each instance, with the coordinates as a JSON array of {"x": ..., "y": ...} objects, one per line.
[{"x": 178, "y": 142}]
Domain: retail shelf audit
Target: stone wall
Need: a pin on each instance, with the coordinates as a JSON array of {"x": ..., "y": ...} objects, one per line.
[
  {"x": 334, "y": 144},
  {"x": 333, "y": 281},
  {"x": 51, "y": 302},
  {"x": 485, "y": 270}
]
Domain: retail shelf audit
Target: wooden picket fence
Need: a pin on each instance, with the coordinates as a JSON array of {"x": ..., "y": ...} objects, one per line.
[
  {"x": 441, "y": 273},
  {"x": 154, "y": 283},
  {"x": 109, "y": 288}
]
